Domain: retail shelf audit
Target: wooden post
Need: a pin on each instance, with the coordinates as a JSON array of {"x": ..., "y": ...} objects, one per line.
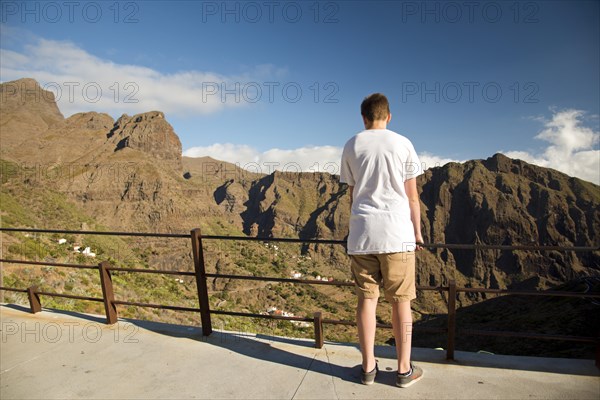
[
  {"x": 318, "y": 322},
  {"x": 451, "y": 319},
  {"x": 34, "y": 300},
  {"x": 107, "y": 293},
  {"x": 201, "y": 285}
]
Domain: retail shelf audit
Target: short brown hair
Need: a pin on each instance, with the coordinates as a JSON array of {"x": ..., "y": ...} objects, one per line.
[{"x": 375, "y": 107}]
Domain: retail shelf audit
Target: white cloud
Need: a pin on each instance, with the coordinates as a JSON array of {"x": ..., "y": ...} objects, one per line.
[
  {"x": 234, "y": 153},
  {"x": 306, "y": 159},
  {"x": 429, "y": 160},
  {"x": 84, "y": 82},
  {"x": 571, "y": 147}
]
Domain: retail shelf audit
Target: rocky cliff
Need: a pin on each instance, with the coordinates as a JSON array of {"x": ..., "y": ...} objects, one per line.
[
  {"x": 510, "y": 202},
  {"x": 27, "y": 112},
  {"x": 149, "y": 133}
]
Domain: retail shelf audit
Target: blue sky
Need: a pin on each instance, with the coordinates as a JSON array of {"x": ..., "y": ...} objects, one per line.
[{"x": 465, "y": 79}]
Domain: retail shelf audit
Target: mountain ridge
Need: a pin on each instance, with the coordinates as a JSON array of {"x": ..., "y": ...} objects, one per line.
[{"x": 130, "y": 175}]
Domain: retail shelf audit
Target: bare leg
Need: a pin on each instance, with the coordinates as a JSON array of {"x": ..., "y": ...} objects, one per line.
[
  {"x": 402, "y": 324},
  {"x": 366, "y": 321}
]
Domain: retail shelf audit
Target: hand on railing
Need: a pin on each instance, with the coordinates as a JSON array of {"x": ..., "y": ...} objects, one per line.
[{"x": 419, "y": 242}]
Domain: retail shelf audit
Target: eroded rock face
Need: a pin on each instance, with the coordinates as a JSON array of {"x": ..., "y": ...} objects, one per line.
[
  {"x": 25, "y": 98},
  {"x": 305, "y": 205},
  {"x": 148, "y": 132},
  {"x": 518, "y": 203},
  {"x": 27, "y": 111},
  {"x": 92, "y": 121},
  {"x": 510, "y": 202}
]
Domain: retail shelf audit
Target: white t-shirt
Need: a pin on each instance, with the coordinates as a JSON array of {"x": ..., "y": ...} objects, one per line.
[{"x": 377, "y": 162}]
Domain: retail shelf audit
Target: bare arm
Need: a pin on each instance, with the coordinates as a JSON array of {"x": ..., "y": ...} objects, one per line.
[{"x": 410, "y": 186}]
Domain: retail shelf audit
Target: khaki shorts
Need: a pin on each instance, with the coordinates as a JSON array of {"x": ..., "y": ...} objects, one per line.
[{"x": 395, "y": 270}]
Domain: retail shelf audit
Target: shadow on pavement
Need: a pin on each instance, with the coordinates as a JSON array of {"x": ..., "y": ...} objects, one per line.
[{"x": 300, "y": 353}]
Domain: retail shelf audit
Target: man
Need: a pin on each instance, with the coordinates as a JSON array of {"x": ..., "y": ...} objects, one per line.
[{"x": 380, "y": 167}]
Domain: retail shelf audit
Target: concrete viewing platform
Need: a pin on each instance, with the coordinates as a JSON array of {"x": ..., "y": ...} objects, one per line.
[{"x": 64, "y": 355}]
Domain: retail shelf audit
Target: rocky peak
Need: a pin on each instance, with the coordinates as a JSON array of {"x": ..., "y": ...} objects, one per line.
[
  {"x": 26, "y": 101},
  {"x": 499, "y": 163},
  {"x": 147, "y": 132},
  {"x": 92, "y": 121}
]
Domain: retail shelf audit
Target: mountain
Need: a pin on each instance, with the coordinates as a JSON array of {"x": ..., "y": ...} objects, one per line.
[
  {"x": 129, "y": 175},
  {"x": 510, "y": 202},
  {"x": 27, "y": 112}
]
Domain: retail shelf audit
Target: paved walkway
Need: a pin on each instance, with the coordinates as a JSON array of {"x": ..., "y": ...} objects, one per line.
[{"x": 60, "y": 355}]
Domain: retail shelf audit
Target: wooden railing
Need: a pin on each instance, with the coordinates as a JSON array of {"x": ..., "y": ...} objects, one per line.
[{"x": 110, "y": 303}]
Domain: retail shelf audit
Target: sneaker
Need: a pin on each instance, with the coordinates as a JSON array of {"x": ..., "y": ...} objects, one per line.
[
  {"x": 367, "y": 378},
  {"x": 405, "y": 381}
]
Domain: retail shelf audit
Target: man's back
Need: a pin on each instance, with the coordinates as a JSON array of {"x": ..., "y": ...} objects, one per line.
[{"x": 376, "y": 163}]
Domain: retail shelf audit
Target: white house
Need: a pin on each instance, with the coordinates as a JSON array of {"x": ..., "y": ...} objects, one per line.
[{"x": 88, "y": 252}]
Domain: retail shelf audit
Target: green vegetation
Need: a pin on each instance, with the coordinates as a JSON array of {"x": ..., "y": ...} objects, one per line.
[{"x": 28, "y": 205}]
